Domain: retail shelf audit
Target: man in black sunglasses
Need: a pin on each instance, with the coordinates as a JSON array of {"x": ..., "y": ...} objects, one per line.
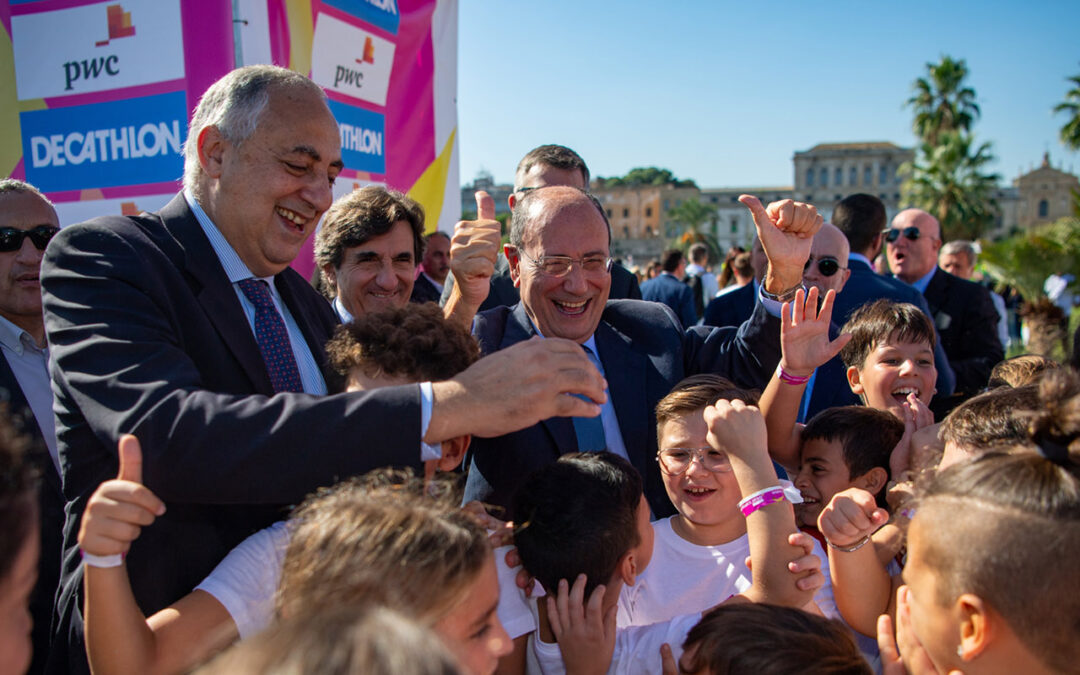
[
  {"x": 962, "y": 310},
  {"x": 27, "y": 223},
  {"x": 827, "y": 266}
]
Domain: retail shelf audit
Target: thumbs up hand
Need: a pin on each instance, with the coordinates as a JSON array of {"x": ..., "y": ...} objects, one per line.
[
  {"x": 786, "y": 229},
  {"x": 119, "y": 508},
  {"x": 473, "y": 250}
]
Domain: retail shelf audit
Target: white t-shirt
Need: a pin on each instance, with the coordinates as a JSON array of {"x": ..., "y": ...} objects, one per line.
[
  {"x": 683, "y": 577},
  {"x": 514, "y": 609},
  {"x": 637, "y": 648},
  {"x": 245, "y": 581}
]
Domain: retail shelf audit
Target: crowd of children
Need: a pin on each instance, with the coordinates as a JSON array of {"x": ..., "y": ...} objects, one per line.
[{"x": 901, "y": 546}]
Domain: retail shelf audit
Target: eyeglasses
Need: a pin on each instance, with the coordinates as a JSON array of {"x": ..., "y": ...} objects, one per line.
[
  {"x": 674, "y": 461},
  {"x": 559, "y": 265},
  {"x": 910, "y": 233},
  {"x": 827, "y": 265},
  {"x": 11, "y": 239}
]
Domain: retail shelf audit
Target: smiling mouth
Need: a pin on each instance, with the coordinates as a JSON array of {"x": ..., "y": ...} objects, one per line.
[
  {"x": 807, "y": 500},
  {"x": 901, "y": 393},
  {"x": 291, "y": 216},
  {"x": 572, "y": 308}
]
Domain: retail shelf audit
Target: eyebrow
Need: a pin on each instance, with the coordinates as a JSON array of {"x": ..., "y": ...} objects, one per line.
[{"x": 313, "y": 154}]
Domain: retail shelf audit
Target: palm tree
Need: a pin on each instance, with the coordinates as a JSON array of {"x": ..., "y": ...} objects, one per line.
[
  {"x": 1070, "y": 133},
  {"x": 941, "y": 101},
  {"x": 948, "y": 181},
  {"x": 688, "y": 223}
]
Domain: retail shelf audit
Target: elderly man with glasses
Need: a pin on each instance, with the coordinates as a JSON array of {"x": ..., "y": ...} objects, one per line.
[{"x": 560, "y": 261}]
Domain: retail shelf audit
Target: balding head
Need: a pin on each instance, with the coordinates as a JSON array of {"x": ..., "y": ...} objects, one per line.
[
  {"x": 827, "y": 266},
  {"x": 913, "y": 251}
]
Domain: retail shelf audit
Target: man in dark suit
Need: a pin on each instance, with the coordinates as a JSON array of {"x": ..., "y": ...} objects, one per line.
[
  {"x": 559, "y": 259},
  {"x": 188, "y": 329},
  {"x": 543, "y": 166},
  {"x": 963, "y": 313},
  {"x": 436, "y": 267},
  {"x": 27, "y": 222},
  {"x": 861, "y": 217},
  {"x": 668, "y": 287},
  {"x": 734, "y": 305}
]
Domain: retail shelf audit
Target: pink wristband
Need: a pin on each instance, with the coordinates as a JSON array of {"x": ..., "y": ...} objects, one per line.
[
  {"x": 763, "y": 498},
  {"x": 788, "y": 378}
]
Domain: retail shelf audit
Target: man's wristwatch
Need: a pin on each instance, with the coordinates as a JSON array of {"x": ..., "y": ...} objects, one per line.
[{"x": 784, "y": 296}]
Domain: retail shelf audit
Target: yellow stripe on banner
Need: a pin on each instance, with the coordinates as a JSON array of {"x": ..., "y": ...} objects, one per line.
[
  {"x": 430, "y": 188},
  {"x": 301, "y": 35}
]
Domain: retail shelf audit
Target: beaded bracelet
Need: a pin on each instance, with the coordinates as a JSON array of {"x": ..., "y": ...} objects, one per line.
[
  {"x": 788, "y": 378},
  {"x": 114, "y": 560}
]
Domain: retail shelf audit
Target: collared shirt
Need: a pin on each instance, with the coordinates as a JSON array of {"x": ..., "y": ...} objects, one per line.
[
  {"x": 30, "y": 365},
  {"x": 861, "y": 258},
  {"x": 236, "y": 271},
  {"x": 921, "y": 283},
  {"x": 436, "y": 284},
  {"x": 342, "y": 313}
]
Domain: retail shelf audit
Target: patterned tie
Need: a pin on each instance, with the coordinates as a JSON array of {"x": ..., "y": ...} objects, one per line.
[
  {"x": 272, "y": 337},
  {"x": 589, "y": 430}
]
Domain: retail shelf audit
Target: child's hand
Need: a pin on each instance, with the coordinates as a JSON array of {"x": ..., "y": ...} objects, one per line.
[
  {"x": 904, "y": 654},
  {"x": 120, "y": 508},
  {"x": 804, "y": 333},
  {"x": 808, "y": 566},
  {"x": 736, "y": 428},
  {"x": 916, "y": 416},
  {"x": 586, "y": 634},
  {"x": 850, "y": 516}
]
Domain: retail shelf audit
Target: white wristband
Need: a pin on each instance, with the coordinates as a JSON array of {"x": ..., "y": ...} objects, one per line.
[{"x": 114, "y": 560}]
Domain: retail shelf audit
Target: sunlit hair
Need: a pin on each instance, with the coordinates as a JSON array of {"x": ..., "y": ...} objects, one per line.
[
  {"x": 771, "y": 640},
  {"x": 18, "y": 493},
  {"x": 693, "y": 394},
  {"x": 415, "y": 342},
  {"x": 884, "y": 321},
  {"x": 555, "y": 156},
  {"x": 867, "y": 436},
  {"x": 379, "y": 539},
  {"x": 339, "y": 641},
  {"x": 234, "y": 105},
  {"x": 526, "y": 209},
  {"x": 1020, "y": 370},
  {"x": 362, "y": 215},
  {"x": 15, "y": 186},
  {"x": 1006, "y": 527},
  {"x": 991, "y": 418}
]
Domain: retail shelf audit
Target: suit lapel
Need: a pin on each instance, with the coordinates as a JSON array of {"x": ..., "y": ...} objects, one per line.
[
  {"x": 215, "y": 293},
  {"x": 624, "y": 369}
]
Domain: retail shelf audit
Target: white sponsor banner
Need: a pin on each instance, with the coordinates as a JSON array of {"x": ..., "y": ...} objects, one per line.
[
  {"x": 350, "y": 60},
  {"x": 78, "y": 212},
  {"x": 97, "y": 47}
]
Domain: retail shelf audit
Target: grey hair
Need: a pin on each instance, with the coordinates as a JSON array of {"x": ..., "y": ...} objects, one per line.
[
  {"x": 520, "y": 217},
  {"x": 960, "y": 246},
  {"x": 16, "y": 186},
  {"x": 234, "y": 104}
]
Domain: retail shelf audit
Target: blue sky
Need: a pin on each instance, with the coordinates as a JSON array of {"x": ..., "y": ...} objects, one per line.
[{"x": 725, "y": 92}]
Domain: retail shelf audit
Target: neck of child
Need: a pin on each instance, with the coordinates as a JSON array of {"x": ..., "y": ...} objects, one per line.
[{"x": 709, "y": 534}]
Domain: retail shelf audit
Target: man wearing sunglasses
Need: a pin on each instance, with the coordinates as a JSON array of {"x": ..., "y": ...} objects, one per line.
[
  {"x": 560, "y": 260},
  {"x": 962, "y": 310},
  {"x": 27, "y": 222},
  {"x": 861, "y": 218}
]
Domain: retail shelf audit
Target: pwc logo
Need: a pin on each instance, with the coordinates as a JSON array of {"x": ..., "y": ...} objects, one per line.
[
  {"x": 355, "y": 76},
  {"x": 336, "y": 65},
  {"x": 108, "y": 45}
]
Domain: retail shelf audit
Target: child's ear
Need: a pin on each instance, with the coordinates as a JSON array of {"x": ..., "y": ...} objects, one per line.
[
  {"x": 977, "y": 626},
  {"x": 627, "y": 570},
  {"x": 453, "y": 451},
  {"x": 854, "y": 380},
  {"x": 873, "y": 480}
]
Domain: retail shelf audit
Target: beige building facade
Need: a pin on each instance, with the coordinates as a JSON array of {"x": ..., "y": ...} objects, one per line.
[{"x": 1044, "y": 195}]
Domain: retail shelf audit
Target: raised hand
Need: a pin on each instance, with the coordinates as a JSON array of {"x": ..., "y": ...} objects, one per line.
[
  {"x": 850, "y": 516},
  {"x": 585, "y": 633},
  {"x": 473, "y": 250},
  {"x": 804, "y": 333},
  {"x": 119, "y": 508},
  {"x": 786, "y": 229},
  {"x": 904, "y": 654},
  {"x": 736, "y": 428}
]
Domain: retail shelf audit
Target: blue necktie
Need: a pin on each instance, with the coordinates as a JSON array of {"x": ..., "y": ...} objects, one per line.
[
  {"x": 272, "y": 337},
  {"x": 589, "y": 430}
]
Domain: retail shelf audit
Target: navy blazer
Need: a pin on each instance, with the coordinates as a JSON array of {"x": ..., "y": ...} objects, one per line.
[
  {"x": 966, "y": 319},
  {"x": 424, "y": 291},
  {"x": 731, "y": 308},
  {"x": 51, "y": 515},
  {"x": 645, "y": 352},
  {"x": 865, "y": 285},
  {"x": 665, "y": 288},
  {"x": 147, "y": 336}
]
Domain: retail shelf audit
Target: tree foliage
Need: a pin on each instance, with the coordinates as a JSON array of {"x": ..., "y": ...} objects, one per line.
[
  {"x": 645, "y": 176},
  {"x": 949, "y": 181},
  {"x": 941, "y": 101},
  {"x": 689, "y": 222},
  {"x": 1070, "y": 133},
  {"x": 1025, "y": 260}
]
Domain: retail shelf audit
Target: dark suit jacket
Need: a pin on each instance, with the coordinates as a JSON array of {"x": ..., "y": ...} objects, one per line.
[
  {"x": 645, "y": 352},
  {"x": 675, "y": 294},
  {"x": 424, "y": 291},
  {"x": 148, "y": 337},
  {"x": 503, "y": 293},
  {"x": 51, "y": 525},
  {"x": 731, "y": 308},
  {"x": 966, "y": 319},
  {"x": 865, "y": 285}
]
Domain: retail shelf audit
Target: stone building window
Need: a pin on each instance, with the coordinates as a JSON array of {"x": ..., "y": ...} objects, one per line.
[
  {"x": 1044, "y": 208},
  {"x": 626, "y": 213},
  {"x": 809, "y": 178},
  {"x": 867, "y": 175},
  {"x": 824, "y": 177},
  {"x": 883, "y": 174},
  {"x": 648, "y": 212},
  {"x": 838, "y": 176},
  {"x": 853, "y": 175}
]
